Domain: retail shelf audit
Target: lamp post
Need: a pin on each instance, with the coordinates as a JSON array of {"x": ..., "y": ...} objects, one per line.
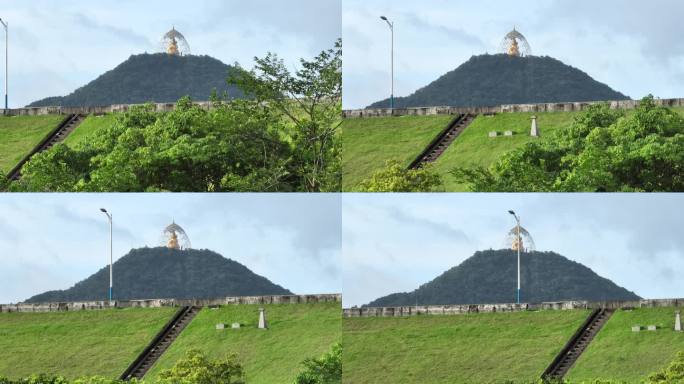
[
  {"x": 6, "y": 25},
  {"x": 517, "y": 220},
  {"x": 391, "y": 26},
  {"x": 109, "y": 216}
]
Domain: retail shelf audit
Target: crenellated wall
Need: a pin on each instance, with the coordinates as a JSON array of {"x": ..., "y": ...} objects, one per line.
[
  {"x": 101, "y": 110},
  {"x": 156, "y": 303},
  {"x": 547, "y": 107},
  {"x": 492, "y": 308}
]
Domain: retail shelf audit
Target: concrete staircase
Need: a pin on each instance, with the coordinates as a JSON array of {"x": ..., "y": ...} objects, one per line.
[
  {"x": 160, "y": 344},
  {"x": 435, "y": 149},
  {"x": 55, "y": 136},
  {"x": 577, "y": 344}
]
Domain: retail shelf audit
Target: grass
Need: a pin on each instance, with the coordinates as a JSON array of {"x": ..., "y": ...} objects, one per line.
[
  {"x": 474, "y": 348},
  {"x": 474, "y": 147},
  {"x": 20, "y": 134},
  {"x": 88, "y": 128},
  {"x": 75, "y": 344},
  {"x": 296, "y": 332},
  {"x": 620, "y": 354},
  {"x": 367, "y": 144}
]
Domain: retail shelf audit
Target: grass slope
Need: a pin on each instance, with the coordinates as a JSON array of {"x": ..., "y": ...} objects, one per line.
[
  {"x": 367, "y": 144},
  {"x": 76, "y": 344},
  {"x": 269, "y": 356},
  {"x": 620, "y": 354},
  {"x": 20, "y": 134},
  {"x": 474, "y": 147},
  {"x": 88, "y": 128},
  {"x": 474, "y": 348}
]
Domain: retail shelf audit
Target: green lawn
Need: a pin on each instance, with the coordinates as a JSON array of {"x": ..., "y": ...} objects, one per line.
[
  {"x": 474, "y": 348},
  {"x": 296, "y": 332},
  {"x": 90, "y": 126},
  {"x": 367, "y": 144},
  {"x": 20, "y": 134},
  {"x": 474, "y": 147},
  {"x": 74, "y": 344},
  {"x": 618, "y": 353}
]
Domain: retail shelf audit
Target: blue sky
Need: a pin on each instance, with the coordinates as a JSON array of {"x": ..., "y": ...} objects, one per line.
[
  {"x": 51, "y": 241},
  {"x": 395, "y": 242},
  {"x": 58, "y": 46},
  {"x": 633, "y": 46}
]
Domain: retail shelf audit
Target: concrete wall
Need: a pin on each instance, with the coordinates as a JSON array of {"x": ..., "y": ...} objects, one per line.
[
  {"x": 159, "y": 107},
  {"x": 549, "y": 107},
  {"x": 492, "y": 308},
  {"x": 156, "y": 303}
]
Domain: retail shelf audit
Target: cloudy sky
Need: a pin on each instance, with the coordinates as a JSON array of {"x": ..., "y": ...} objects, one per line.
[
  {"x": 58, "y": 46},
  {"x": 633, "y": 46},
  {"x": 52, "y": 241},
  {"x": 395, "y": 242}
]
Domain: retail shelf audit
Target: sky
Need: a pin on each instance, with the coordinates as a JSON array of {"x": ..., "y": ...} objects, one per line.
[
  {"x": 58, "y": 46},
  {"x": 52, "y": 241},
  {"x": 395, "y": 242},
  {"x": 631, "y": 45}
]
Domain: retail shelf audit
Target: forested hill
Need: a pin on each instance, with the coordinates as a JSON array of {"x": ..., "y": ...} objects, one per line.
[
  {"x": 490, "y": 277},
  {"x": 158, "y": 77},
  {"x": 155, "y": 273},
  {"x": 490, "y": 80}
]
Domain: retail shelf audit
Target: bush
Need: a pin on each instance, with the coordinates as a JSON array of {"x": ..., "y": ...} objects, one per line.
[
  {"x": 395, "y": 178},
  {"x": 325, "y": 370}
]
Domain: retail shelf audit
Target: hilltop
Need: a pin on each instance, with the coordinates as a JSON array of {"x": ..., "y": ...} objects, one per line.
[
  {"x": 154, "y": 273},
  {"x": 489, "y": 80},
  {"x": 158, "y": 77},
  {"x": 490, "y": 277}
]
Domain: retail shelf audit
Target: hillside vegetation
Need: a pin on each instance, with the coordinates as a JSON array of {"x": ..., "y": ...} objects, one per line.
[
  {"x": 87, "y": 132},
  {"x": 489, "y": 80},
  {"x": 157, "y": 273},
  {"x": 618, "y": 353},
  {"x": 75, "y": 344},
  {"x": 154, "y": 77},
  {"x": 296, "y": 332},
  {"x": 473, "y": 348},
  {"x": 20, "y": 134},
  {"x": 489, "y": 277}
]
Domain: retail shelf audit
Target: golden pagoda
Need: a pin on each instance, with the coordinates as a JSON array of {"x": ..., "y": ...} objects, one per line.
[
  {"x": 173, "y": 47},
  {"x": 173, "y": 241},
  {"x": 173, "y": 43},
  {"x": 514, "y": 49},
  {"x": 174, "y": 237},
  {"x": 515, "y": 44}
]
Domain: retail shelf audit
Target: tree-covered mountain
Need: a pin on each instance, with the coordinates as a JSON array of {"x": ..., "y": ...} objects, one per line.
[
  {"x": 490, "y": 277},
  {"x": 156, "y": 273},
  {"x": 490, "y": 80},
  {"x": 158, "y": 77}
]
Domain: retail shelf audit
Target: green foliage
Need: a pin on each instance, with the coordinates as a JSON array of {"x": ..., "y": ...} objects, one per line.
[
  {"x": 487, "y": 277},
  {"x": 604, "y": 150},
  {"x": 161, "y": 272},
  {"x": 155, "y": 77},
  {"x": 196, "y": 368},
  {"x": 396, "y": 178},
  {"x": 502, "y": 79},
  {"x": 672, "y": 374},
  {"x": 324, "y": 370},
  {"x": 310, "y": 100}
]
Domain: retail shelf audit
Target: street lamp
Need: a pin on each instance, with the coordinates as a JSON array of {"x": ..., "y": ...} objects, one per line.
[
  {"x": 517, "y": 220},
  {"x": 391, "y": 26},
  {"x": 5, "y": 25},
  {"x": 109, "y": 216}
]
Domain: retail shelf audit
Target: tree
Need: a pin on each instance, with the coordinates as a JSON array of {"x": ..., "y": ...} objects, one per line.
[
  {"x": 604, "y": 150},
  {"x": 310, "y": 99},
  {"x": 324, "y": 370},
  {"x": 396, "y": 178},
  {"x": 196, "y": 368},
  {"x": 672, "y": 374}
]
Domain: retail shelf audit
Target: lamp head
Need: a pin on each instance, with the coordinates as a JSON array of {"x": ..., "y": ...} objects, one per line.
[
  {"x": 103, "y": 210},
  {"x": 382, "y": 17},
  {"x": 511, "y": 212}
]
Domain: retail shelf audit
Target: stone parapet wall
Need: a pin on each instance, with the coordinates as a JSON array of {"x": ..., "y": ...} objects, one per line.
[
  {"x": 157, "y": 303},
  {"x": 116, "y": 108},
  {"x": 492, "y": 308},
  {"x": 509, "y": 108}
]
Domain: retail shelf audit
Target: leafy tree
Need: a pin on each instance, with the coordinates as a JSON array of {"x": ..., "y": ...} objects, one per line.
[
  {"x": 310, "y": 99},
  {"x": 196, "y": 368},
  {"x": 396, "y": 178},
  {"x": 672, "y": 374},
  {"x": 324, "y": 370},
  {"x": 604, "y": 150}
]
